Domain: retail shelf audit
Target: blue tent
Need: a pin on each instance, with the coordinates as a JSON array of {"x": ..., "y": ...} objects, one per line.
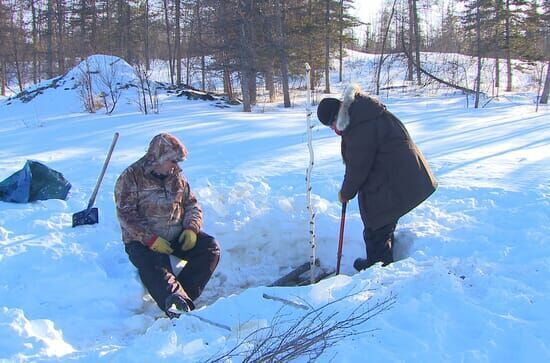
[{"x": 34, "y": 182}]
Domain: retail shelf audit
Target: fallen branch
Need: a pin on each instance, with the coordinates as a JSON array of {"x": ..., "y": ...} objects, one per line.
[
  {"x": 307, "y": 337},
  {"x": 286, "y": 302},
  {"x": 435, "y": 78},
  {"x": 210, "y": 322}
]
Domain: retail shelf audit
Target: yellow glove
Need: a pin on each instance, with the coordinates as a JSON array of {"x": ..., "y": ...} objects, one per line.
[
  {"x": 341, "y": 198},
  {"x": 160, "y": 245},
  {"x": 187, "y": 239}
]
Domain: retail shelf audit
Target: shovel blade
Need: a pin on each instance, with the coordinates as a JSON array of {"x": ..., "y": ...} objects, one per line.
[{"x": 87, "y": 216}]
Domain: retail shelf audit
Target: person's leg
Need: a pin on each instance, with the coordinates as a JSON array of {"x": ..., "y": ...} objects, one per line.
[
  {"x": 156, "y": 274},
  {"x": 201, "y": 263},
  {"x": 379, "y": 245}
]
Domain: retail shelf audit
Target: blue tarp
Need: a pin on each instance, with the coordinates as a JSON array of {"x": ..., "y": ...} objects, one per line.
[{"x": 35, "y": 181}]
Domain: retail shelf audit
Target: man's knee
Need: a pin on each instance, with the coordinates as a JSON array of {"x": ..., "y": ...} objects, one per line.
[{"x": 209, "y": 243}]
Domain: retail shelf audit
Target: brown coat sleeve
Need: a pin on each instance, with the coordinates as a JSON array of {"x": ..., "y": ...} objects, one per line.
[
  {"x": 134, "y": 226},
  {"x": 192, "y": 211}
]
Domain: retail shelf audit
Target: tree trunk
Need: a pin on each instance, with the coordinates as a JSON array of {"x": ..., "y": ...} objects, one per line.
[
  {"x": 416, "y": 43},
  {"x": 128, "y": 30},
  {"x": 60, "y": 29},
  {"x": 253, "y": 87},
  {"x": 146, "y": 35},
  {"x": 3, "y": 78},
  {"x": 188, "y": 54},
  {"x": 384, "y": 40},
  {"x": 245, "y": 91},
  {"x": 177, "y": 43},
  {"x": 245, "y": 67},
  {"x": 310, "y": 46},
  {"x": 34, "y": 44},
  {"x": 508, "y": 50},
  {"x": 546, "y": 89},
  {"x": 497, "y": 35},
  {"x": 15, "y": 49},
  {"x": 478, "y": 40},
  {"x": 94, "y": 37},
  {"x": 270, "y": 82},
  {"x": 227, "y": 86},
  {"x": 410, "y": 45},
  {"x": 341, "y": 40},
  {"x": 200, "y": 46},
  {"x": 49, "y": 40},
  {"x": 283, "y": 57},
  {"x": 168, "y": 37},
  {"x": 327, "y": 47}
]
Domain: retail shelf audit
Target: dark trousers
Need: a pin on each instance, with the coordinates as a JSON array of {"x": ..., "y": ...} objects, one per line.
[
  {"x": 156, "y": 272},
  {"x": 379, "y": 243}
]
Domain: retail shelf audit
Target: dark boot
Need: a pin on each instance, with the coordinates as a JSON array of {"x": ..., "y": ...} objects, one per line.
[
  {"x": 175, "y": 306},
  {"x": 379, "y": 244},
  {"x": 361, "y": 264}
]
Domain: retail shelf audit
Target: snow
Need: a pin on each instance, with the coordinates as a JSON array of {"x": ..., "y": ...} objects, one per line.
[{"x": 473, "y": 278}]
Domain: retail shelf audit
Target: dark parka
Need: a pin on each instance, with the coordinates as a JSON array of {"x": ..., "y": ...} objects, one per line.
[{"x": 383, "y": 165}]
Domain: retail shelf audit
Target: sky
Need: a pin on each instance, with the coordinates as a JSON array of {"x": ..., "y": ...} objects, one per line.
[
  {"x": 471, "y": 281},
  {"x": 366, "y": 10}
]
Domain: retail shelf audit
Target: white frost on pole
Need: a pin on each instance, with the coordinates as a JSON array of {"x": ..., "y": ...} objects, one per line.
[{"x": 312, "y": 256}]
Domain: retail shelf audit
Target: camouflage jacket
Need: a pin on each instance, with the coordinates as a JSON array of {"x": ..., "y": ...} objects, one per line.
[{"x": 148, "y": 205}]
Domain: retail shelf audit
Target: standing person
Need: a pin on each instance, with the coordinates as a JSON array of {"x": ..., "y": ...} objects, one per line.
[
  {"x": 159, "y": 216},
  {"x": 383, "y": 166}
]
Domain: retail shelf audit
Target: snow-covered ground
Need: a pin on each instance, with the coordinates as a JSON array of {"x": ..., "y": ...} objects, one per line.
[{"x": 472, "y": 282}]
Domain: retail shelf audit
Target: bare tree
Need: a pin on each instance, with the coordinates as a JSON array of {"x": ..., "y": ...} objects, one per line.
[
  {"x": 108, "y": 77},
  {"x": 49, "y": 40},
  {"x": 479, "y": 58},
  {"x": 546, "y": 89},
  {"x": 508, "y": 48},
  {"x": 85, "y": 87},
  {"x": 327, "y": 46},
  {"x": 177, "y": 42},
  {"x": 283, "y": 53},
  {"x": 416, "y": 41},
  {"x": 147, "y": 99},
  {"x": 384, "y": 40},
  {"x": 165, "y": 9}
]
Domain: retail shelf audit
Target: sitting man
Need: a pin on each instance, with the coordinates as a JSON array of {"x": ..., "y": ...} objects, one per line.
[{"x": 159, "y": 216}]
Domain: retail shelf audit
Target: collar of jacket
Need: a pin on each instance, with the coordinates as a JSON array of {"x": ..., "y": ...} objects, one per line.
[
  {"x": 148, "y": 171},
  {"x": 366, "y": 108}
]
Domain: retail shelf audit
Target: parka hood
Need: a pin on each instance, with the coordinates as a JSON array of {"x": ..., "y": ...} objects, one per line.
[
  {"x": 165, "y": 147},
  {"x": 357, "y": 107}
]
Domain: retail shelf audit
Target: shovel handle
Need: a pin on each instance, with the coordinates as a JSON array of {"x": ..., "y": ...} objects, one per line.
[
  {"x": 341, "y": 238},
  {"x": 94, "y": 194}
]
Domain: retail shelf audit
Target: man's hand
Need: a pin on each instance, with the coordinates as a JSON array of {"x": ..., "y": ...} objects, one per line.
[
  {"x": 160, "y": 245},
  {"x": 187, "y": 239},
  {"x": 341, "y": 198}
]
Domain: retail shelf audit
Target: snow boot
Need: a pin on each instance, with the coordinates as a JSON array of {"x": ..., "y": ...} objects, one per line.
[
  {"x": 175, "y": 306},
  {"x": 361, "y": 264}
]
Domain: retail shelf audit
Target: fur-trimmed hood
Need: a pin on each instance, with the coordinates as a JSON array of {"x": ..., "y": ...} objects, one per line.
[{"x": 357, "y": 106}]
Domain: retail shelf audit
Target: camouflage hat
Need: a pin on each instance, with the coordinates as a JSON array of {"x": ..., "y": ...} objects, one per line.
[{"x": 166, "y": 147}]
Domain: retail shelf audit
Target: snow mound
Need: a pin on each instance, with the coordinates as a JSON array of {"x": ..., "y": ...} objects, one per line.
[
  {"x": 36, "y": 337},
  {"x": 102, "y": 69},
  {"x": 103, "y": 72}
]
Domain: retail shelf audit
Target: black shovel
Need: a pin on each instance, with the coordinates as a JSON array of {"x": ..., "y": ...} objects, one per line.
[{"x": 90, "y": 215}]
